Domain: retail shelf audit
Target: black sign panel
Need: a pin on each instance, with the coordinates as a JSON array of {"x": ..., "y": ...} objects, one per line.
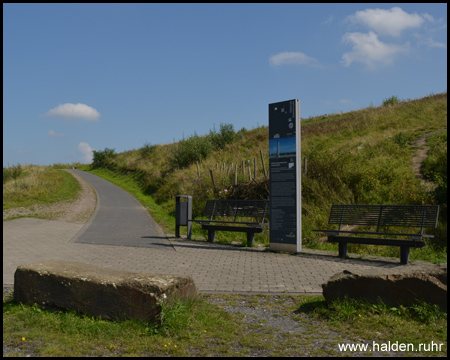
[{"x": 285, "y": 181}]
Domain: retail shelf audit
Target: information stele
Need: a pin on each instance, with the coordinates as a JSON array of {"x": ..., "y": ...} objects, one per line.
[{"x": 285, "y": 177}]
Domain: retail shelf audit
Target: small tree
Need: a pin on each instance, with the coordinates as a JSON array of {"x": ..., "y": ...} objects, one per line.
[{"x": 102, "y": 158}]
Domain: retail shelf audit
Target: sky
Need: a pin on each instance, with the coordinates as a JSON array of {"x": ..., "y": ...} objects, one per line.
[{"x": 84, "y": 77}]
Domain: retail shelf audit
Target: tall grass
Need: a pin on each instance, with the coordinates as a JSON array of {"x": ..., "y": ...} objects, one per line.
[{"x": 38, "y": 185}]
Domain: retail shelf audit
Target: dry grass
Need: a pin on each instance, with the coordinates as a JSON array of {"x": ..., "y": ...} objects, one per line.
[{"x": 39, "y": 185}]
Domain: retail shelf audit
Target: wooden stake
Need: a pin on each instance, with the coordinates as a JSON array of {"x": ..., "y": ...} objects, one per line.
[
  {"x": 198, "y": 170},
  {"x": 249, "y": 172},
  {"x": 264, "y": 165},
  {"x": 212, "y": 179}
]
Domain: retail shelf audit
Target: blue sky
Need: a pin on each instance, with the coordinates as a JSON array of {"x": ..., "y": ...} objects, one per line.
[{"x": 83, "y": 77}]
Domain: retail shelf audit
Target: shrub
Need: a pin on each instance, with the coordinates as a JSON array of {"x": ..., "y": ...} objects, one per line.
[
  {"x": 226, "y": 135},
  {"x": 393, "y": 100},
  {"x": 147, "y": 150},
  {"x": 401, "y": 139},
  {"x": 14, "y": 172},
  {"x": 6, "y": 175},
  {"x": 190, "y": 150},
  {"x": 103, "y": 158}
]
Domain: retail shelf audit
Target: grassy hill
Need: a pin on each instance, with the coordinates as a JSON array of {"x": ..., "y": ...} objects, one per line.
[{"x": 369, "y": 156}]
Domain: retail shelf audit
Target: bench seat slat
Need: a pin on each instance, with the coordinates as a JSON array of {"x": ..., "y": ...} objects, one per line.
[
  {"x": 377, "y": 241},
  {"x": 206, "y": 222},
  {"x": 232, "y": 228},
  {"x": 373, "y": 232}
]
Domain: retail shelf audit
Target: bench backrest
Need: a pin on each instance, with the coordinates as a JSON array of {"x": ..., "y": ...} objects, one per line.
[
  {"x": 221, "y": 209},
  {"x": 423, "y": 216}
]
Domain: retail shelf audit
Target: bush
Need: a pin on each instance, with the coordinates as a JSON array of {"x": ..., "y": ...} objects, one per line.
[
  {"x": 103, "y": 158},
  {"x": 196, "y": 148},
  {"x": 147, "y": 150},
  {"x": 6, "y": 175},
  {"x": 393, "y": 100},
  {"x": 401, "y": 139},
  {"x": 226, "y": 135},
  {"x": 190, "y": 150},
  {"x": 14, "y": 172}
]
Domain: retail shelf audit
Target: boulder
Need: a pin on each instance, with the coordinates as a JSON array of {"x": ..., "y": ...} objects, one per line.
[
  {"x": 402, "y": 285},
  {"x": 99, "y": 291}
]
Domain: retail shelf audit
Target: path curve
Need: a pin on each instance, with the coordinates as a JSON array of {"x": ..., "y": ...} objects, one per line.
[{"x": 119, "y": 219}]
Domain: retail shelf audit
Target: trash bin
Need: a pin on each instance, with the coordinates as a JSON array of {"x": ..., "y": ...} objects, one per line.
[{"x": 183, "y": 214}]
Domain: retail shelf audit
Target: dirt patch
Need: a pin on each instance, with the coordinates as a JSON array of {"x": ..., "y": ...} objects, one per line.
[{"x": 417, "y": 160}]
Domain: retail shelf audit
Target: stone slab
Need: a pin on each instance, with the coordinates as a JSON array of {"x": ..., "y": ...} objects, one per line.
[{"x": 103, "y": 292}]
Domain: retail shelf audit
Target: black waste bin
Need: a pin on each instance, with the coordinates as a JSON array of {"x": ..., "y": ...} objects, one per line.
[{"x": 183, "y": 214}]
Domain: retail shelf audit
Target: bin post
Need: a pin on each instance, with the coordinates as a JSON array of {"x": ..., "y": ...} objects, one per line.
[{"x": 183, "y": 214}]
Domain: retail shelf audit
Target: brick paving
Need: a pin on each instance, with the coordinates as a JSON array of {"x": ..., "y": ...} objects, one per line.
[{"x": 214, "y": 267}]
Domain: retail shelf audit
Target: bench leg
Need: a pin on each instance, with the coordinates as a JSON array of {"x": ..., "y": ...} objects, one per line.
[
  {"x": 250, "y": 239},
  {"x": 211, "y": 235},
  {"x": 342, "y": 249},
  {"x": 404, "y": 254}
]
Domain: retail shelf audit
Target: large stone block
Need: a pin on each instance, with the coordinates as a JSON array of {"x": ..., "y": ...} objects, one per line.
[
  {"x": 103, "y": 292},
  {"x": 402, "y": 285}
]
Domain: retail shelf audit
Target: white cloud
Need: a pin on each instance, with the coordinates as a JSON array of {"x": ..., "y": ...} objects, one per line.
[
  {"x": 388, "y": 22},
  {"x": 292, "y": 58},
  {"x": 54, "y": 133},
  {"x": 328, "y": 21},
  {"x": 74, "y": 111},
  {"x": 86, "y": 150},
  {"x": 428, "y": 41},
  {"x": 428, "y": 17},
  {"x": 369, "y": 50}
]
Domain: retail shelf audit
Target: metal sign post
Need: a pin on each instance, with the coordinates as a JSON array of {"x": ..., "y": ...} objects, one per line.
[{"x": 285, "y": 177}]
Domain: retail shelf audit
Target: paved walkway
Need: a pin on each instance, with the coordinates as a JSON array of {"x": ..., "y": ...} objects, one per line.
[
  {"x": 119, "y": 219},
  {"x": 214, "y": 268}
]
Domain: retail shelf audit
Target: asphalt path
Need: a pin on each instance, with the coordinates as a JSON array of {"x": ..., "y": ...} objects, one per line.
[{"x": 119, "y": 219}]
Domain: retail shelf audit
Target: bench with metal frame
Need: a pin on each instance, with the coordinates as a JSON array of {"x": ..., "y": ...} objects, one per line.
[
  {"x": 412, "y": 216},
  {"x": 235, "y": 215}
]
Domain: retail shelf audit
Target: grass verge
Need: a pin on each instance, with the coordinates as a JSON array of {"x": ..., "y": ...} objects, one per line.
[
  {"x": 39, "y": 185},
  {"x": 227, "y": 325}
]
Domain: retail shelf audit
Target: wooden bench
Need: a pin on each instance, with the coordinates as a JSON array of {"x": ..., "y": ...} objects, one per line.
[
  {"x": 381, "y": 216},
  {"x": 235, "y": 215}
]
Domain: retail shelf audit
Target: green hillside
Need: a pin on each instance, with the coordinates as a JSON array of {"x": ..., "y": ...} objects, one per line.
[{"x": 392, "y": 154}]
